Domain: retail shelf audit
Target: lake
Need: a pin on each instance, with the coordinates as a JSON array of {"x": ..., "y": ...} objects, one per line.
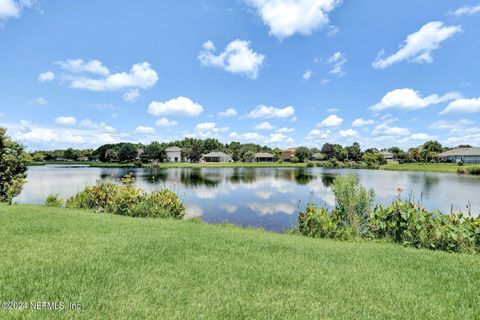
[{"x": 258, "y": 197}]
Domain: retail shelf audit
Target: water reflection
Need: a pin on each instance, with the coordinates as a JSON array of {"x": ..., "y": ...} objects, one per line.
[{"x": 259, "y": 197}]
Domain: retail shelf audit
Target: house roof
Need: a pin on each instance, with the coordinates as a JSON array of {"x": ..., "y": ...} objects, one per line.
[
  {"x": 460, "y": 152},
  {"x": 173, "y": 148},
  {"x": 317, "y": 155},
  {"x": 290, "y": 150},
  {"x": 217, "y": 154},
  {"x": 263, "y": 155}
]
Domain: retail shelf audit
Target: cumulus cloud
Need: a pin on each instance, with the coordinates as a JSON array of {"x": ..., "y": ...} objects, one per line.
[
  {"x": 141, "y": 75},
  {"x": 165, "y": 123},
  {"x": 230, "y": 112},
  {"x": 421, "y": 136},
  {"x": 46, "y": 76},
  {"x": 263, "y": 111},
  {"x": 13, "y": 8},
  {"x": 264, "y": 126},
  {"x": 145, "y": 130},
  {"x": 331, "y": 121},
  {"x": 307, "y": 75},
  {"x": 80, "y": 66},
  {"x": 102, "y": 126},
  {"x": 418, "y": 46},
  {"x": 337, "y": 62},
  {"x": 180, "y": 106},
  {"x": 276, "y": 138},
  {"x": 385, "y": 130},
  {"x": 66, "y": 120},
  {"x": 318, "y": 134},
  {"x": 449, "y": 125},
  {"x": 248, "y": 136},
  {"x": 210, "y": 127},
  {"x": 237, "y": 58},
  {"x": 131, "y": 95},
  {"x": 360, "y": 122},
  {"x": 463, "y": 106},
  {"x": 349, "y": 133},
  {"x": 285, "y": 130},
  {"x": 466, "y": 10},
  {"x": 286, "y": 17},
  {"x": 409, "y": 99}
]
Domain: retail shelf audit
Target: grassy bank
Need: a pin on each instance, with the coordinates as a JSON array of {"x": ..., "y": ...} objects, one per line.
[
  {"x": 181, "y": 165},
  {"x": 425, "y": 167},
  {"x": 121, "y": 267}
]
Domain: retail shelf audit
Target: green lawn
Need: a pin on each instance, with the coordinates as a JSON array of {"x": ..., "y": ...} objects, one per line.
[
  {"x": 425, "y": 167},
  {"x": 126, "y": 268}
]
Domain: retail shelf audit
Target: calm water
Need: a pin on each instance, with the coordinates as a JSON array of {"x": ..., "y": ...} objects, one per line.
[{"x": 260, "y": 197}]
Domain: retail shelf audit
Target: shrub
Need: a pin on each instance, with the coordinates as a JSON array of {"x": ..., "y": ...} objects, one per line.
[
  {"x": 473, "y": 170},
  {"x": 138, "y": 163},
  {"x": 462, "y": 171},
  {"x": 128, "y": 200},
  {"x": 310, "y": 165},
  {"x": 316, "y": 222},
  {"x": 54, "y": 201},
  {"x": 294, "y": 159},
  {"x": 353, "y": 202}
]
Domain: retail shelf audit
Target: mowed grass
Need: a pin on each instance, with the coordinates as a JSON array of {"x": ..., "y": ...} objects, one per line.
[
  {"x": 125, "y": 268},
  {"x": 425, "y": 167}
]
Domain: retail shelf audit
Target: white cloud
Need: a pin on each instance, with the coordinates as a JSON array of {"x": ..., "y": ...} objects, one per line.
[
  {"x": 418, "y": 46},
  {"x": 272, "y": 208},
  {"x": 331, "y": 121},
  {"x": 463, "y": 106},
  {"x": 279, "y": 137},
  {"x": 40, "y": 101},
  {"x": 337, "y": 61},
  {"x": 66, "y": 121},
  {"x": 13, "y": 8},
  {"x": 102, "y": 126},
  {"x": 249, "y": 136},
  {"x": 409, "y": 99},
  {"x": 263, "y": 111},
  {"x": 164, "y": 122},
  {"x": 80, "y": 66},
  {"x": 180, "y": 106},
  {"x": 360, "y": 122},
  {"x": 145, "y": 130},
  {"x": 332, "y": 110},
  {"x": 385, "y": 130},
  {"x": 230, "y": 112},
  {"x": 421, "y": 136},
  {"x": 286, "y": 17},
  {"x": 318, "y": 134},
  {"x": 141, "y": 76},
  {"x": 448, "y": 125},
  {"x": 285, "y": 130},
  {"x": 237, "y": 58},
  {"x": 349, "y": 133},
  {"x": 307, "y": 75},
  {"x": 46, "y": 76},
  {"x": 210, "y": 127},
  {"x": 466, "y": 10},
  {"x": 131, "y": 95},
  {"x": 264, "y": 126}
]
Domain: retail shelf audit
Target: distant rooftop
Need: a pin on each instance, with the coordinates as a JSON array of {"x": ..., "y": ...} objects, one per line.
[
  {"x": 263, "y": 155},
  {"x": 216, "y": 154},
  {"x": 460, "y": 152}
]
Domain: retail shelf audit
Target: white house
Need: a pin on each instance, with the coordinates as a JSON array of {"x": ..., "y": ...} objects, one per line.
[
  {"x": 174, "y": 154},
  {"x": 466, "y": 155},
  {"x": 387, "y": 155}
]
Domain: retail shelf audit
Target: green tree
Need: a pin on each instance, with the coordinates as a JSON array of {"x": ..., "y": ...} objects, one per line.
[
  {"x": 194, "y": 151},
  {"x": 303, "y": 154},
  {"x": 38, "y": 156},
  {"x": 248, "y": 156},
  {"x": 354, "y": 152},
  {"x": 13, "y": 167},
  {"x": 154, "y": 152},
  {"x": 127, "y": 152}
]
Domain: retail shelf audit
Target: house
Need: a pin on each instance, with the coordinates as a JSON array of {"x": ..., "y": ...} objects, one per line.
[
  {"x": 263, "y": 157},
  {"x": 466, "y": 155},
  {"x": 387, "y": 155},
  {"x": 287, "y": 154},
  {"x": 318, "y": 156},
  {"x": 216, "y": 157},
  {"x": 84, "y": 159},
  {"x": 174, "y": 154}
]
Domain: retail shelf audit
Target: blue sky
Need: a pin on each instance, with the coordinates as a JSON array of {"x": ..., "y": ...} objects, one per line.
[{"x": 277, "y": 72}]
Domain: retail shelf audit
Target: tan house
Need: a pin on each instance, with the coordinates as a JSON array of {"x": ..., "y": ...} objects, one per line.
[
  {"x": 216, "y": 157},
  {"x": 174, "y": 154},
  {"x": 263, "y": 157},
  {"x": 287, "y": 154}
]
